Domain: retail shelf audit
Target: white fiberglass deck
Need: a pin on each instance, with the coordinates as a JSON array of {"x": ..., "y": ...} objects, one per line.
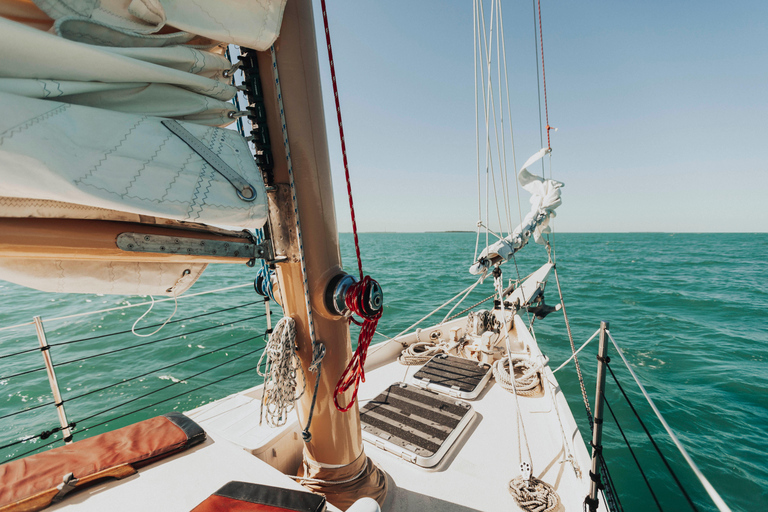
[
  {"x": 179, "y": 483},
  {"x": 473, "y": 476},
  {"x": 475, "y": 473}
]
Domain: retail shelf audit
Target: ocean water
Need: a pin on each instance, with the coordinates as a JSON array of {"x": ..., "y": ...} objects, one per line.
[{"x": 689, "y": 310}]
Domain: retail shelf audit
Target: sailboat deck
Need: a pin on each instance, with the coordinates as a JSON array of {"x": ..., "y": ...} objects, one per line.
[
  {"x": 472, "y": 476},
  {"x": 475, "y": 473},
  {"x": 179, "y": 483}
]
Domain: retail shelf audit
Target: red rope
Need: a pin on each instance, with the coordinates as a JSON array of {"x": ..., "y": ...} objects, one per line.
[
  {"x": 341, "y": 134},
  {"x": 354, "y": 373},
  {"x": 543, "y": 75}
]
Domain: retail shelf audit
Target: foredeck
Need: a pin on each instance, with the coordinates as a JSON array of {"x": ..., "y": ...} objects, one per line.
[
  {"x": 475, "y": 473},
  {"x": 473, "y": 476}
]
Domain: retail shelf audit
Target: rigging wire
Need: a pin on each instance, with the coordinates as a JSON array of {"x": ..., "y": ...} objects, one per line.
[
  {"x": 177, "y": 363},
  {"x": 318, "y": 348},
  {"x": 503, "y": 157},
  {"x": 85, "y": 358},
  {"x": 543, "y": 75},
  {"x": 36, "y": 448},
  {"x": 26, "y": 410},
  {"x": 716, "y": 498},
  {"x": 7, "y": 377},
  {"x": 632, "y": 453},
  {"x": 194, "y": 317},
  {"x": 475, "y": 37},
  {"x": 230, "y": 376},
  {"x": 185, "y": 379},
  {"x": 538, "y": 81},
  {"x": 117, "y": 308},
  {"x": 584, "y": 396},
  {"x": 509, "y": 114},
  {"x": 20, "y": 352},
  {"x": 489, "y": 103}
]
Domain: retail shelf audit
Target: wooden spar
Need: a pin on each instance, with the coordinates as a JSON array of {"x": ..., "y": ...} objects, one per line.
[
  {"x": 75, "y": 239},
  {"x": 336, "y": 436}
]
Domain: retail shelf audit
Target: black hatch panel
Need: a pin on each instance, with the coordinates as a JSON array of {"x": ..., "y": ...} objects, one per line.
[
  {"x": 453, "y": 376},
  {"x": 418, "y": 425}
]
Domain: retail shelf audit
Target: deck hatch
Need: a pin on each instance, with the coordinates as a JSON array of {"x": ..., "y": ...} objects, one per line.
[
  {"x": 416, "y": 424},
  {"x": 453, "y": 376}
]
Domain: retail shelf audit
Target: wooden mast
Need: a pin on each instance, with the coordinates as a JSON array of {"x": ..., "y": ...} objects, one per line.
[{"x": 335, "y": 450}]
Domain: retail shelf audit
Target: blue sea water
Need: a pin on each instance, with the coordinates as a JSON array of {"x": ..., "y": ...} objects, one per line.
[{"x": 689, "y": 311}]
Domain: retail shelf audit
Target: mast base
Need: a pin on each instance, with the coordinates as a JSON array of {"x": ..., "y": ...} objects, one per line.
[{"x": 344, "y": 485}]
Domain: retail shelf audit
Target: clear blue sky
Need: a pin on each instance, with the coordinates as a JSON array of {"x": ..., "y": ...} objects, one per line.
[{"x": 661, "y": 112}]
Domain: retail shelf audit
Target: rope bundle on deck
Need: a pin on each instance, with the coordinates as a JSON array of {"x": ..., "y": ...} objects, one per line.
[
  {"x": 533, "y": 495},
  {"x": 527, "y": 376},
  {"x": 421, "y": 352}
]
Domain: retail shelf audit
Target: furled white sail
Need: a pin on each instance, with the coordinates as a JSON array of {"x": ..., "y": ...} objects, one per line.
[
  {"x": 545, "y": 197},
  {"x": 249, "y": 23},
  {"x": 180, "y": 82},
  {"x": 131, "y": 163},
  {"x": 83, "y": 87}
]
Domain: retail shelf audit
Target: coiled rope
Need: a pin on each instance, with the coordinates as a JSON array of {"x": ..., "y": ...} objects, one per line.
[
  {"x": 533, "y": 495},
  {"x": 354, "y": 372},
  {"x": 421, "y": 352},
  {"x": 280, "y": 371},
  {"x": 527, "y": 376}
]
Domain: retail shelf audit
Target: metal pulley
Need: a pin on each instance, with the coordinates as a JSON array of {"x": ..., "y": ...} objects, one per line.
[{"x": 342, "y": 285}]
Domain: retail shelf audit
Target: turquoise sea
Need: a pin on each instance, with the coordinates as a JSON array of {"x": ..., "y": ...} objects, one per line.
[{"x": 690, "y": 311}]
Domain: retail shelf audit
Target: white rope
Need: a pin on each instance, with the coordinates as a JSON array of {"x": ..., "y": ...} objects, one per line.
[
  {"x": 577, "y": 352},
  {"x": 133, "y": 327},
  {"x": 526, "y": 383},
  {"x": 533, "y": 495},
  {"x": 421, "y": 352},
  {"x": 718, "y": 501},
  {"x": 281, "y": 368},
  {"x": 520, "y": 424},
  {"x": 175, "y": 309},
  {"x": 309, "y": 480},
  {"x": 568, "y": 452}
]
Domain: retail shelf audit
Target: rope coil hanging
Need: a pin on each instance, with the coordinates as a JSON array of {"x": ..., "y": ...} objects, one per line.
[
  {"x": 354, "y": 373},
  {"x": 280, "y": 372}
]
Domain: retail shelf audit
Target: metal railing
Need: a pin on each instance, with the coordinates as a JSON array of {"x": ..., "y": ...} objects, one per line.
[
  {"x": 599, "y": 475},
  {"x": 226, "y": 342}
]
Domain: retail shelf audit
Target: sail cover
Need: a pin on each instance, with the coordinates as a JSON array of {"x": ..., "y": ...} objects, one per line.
[{"x": 84, "y": 88}]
